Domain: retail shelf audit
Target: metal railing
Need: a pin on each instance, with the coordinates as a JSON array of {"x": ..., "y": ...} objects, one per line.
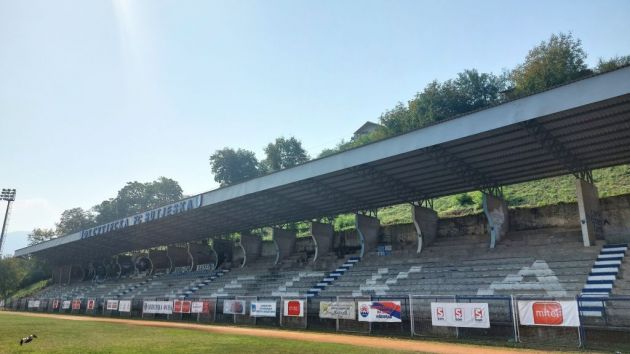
[{"x": 415, "y": 316}]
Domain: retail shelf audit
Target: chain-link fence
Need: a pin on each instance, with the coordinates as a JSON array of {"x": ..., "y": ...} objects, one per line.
[{"x": 597, "y": 319}]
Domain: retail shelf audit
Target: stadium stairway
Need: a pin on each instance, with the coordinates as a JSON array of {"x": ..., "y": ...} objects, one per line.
[
  {"x": 601, "y": 280},
  {"x": 333, "y": 276}
]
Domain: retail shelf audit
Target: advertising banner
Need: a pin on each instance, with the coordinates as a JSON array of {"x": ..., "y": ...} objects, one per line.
[
  {"x": 262, "y": 309},
  {"x": 76, "y": 304},
  {"x": 161, "y": 307},
  {"x": 202, "y": 307},
  {"x": 181, "y": 306},
  {"x": 33, "y": 304},
  {"x": 549, "y": 313},
  {"x": 65, "y": 304},
  {"x": 112, "y": 305},
  {"x": 124, "y": 305},
  {"x": 90, "y": 304},
  {"x": 338, "y": 310},
  {"x": 294, "y": 308},
  {"x": 453, "y": 314},
  {"x": 379, "y": 311},
  {"x": 55, "y": 304},
  {"x": 234, "y": 307}
]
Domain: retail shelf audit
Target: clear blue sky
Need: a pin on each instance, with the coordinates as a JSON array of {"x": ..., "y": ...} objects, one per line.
[{"x": 97, "y": 93}]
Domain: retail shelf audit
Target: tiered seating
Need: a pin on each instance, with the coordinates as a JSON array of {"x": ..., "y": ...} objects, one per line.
[{"x": 545, "y": 262}]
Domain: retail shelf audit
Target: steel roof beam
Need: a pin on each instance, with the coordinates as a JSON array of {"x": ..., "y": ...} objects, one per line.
[{"x": 558, "y": 150}]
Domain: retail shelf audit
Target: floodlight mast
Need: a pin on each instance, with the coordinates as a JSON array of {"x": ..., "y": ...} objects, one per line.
[{"x": 9, "y": 196}]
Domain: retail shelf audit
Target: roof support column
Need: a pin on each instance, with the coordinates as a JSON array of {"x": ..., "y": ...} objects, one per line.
[
  {"x": 322, "y": 235},
  {"x": 496, "y": 210},
  {"x": 425, "y": 220},
  {"x": 588, "y": 207},
  {"x": 368, "y": 228},
  {"x": 285, "y": 243}
]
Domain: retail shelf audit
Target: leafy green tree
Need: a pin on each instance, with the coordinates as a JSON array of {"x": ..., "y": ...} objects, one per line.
[
  {"x": 136, "y": 197},
  {"x": 39, "y": 235},
  {"x": 74, "y": 220},
  {"x": 554, "y": 62},
  {"x": 284, "y": 153},
  {"x": 11, "y": 275},
  {"x": 231, "y": 166},
  {"x": 612, "y": 63},
  {"x": 470, "y": 91}
]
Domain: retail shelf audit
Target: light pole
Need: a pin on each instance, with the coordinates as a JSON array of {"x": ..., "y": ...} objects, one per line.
[{"x": 9, "y": 196}]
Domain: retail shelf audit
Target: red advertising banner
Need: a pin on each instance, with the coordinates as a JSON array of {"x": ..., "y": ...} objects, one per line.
[
  {"x": 90, "y": 304},
  {"x": 180, "y": 306}
]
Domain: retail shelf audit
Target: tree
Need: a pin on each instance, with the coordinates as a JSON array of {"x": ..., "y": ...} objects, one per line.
[
  {"x": 136, "y": 197},
  {"x": 11, "y": 275},
  {"x": 612, "y": 63},
  {"x": 551, "y": 63},
  {"x": 40, "y": 235},
  {"x": 470, "y": 91},
  {"x": 284, "y": 153},
  {"x": 74, "y": 220},
  {"x": 233, "y": 166}
]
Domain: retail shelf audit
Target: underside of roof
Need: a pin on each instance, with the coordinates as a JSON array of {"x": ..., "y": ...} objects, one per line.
[{"x": 570, "y": 129}]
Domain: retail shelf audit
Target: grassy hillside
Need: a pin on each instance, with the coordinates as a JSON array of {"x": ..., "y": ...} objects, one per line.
[
  {"x": 610, "y": 181},
  {"x": 31, "y": 289}
]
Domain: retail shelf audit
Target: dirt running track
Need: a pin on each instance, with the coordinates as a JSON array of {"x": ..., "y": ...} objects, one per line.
[{"x": 372, "y": 342}]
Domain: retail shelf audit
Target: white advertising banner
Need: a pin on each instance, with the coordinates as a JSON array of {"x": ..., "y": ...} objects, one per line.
[
  {"x": 111, "y": 305},
  {"x": 124, "y": 306},
  {"x": 196, "y": 307},
  {"x": 549, "y": 313},
  {"x": 234, "y": 307},
  {"x": 379, "y": 311},
  {"x": 454, "y": 314},
  {"x": 262, "y": 309},
  {"x": 338, "y": 310},
  {"x": 293, "y": 308},
  {"x": 161, "y": 307},
  {"x": 33, "y": 304},
  {"x": 65, "y": 304}
]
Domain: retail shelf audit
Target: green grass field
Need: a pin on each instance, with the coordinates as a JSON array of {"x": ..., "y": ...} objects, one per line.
[{"x": 66, "y": 336}]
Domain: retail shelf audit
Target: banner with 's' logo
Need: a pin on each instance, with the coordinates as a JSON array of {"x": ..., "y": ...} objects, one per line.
[
  {"x": 454, "y": 314},
  {"x": 548, "y": 313}
]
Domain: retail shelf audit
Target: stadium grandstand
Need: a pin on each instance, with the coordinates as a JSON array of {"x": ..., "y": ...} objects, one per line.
[{"x": 179, "y": 252}]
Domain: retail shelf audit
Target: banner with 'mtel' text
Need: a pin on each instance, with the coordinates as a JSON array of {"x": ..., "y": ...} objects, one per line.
[
  {"x": 453, "y": 314},
  {"x": 379, "y": 311},
  {"x": 549, "y": 313},
  {"x": 159, "y": 307}
]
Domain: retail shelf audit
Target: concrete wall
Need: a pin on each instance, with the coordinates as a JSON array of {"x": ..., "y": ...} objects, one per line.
[
  {"x": 285, "y": 242},
  {"x": 179, "y": 256},
  {"x": 202, "y": 254},
  {"x": 368, "y": 229},
  {"x": 588, "y": 208},
  {"x": 321, "y": 239},
  {"x": 252, "y": 244},
  {"x": 425, "y": 221},
  {"x": 496, "y": 211},
  {"x": 268, "y": 249},
  {"x": 160, "y": 260}
]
